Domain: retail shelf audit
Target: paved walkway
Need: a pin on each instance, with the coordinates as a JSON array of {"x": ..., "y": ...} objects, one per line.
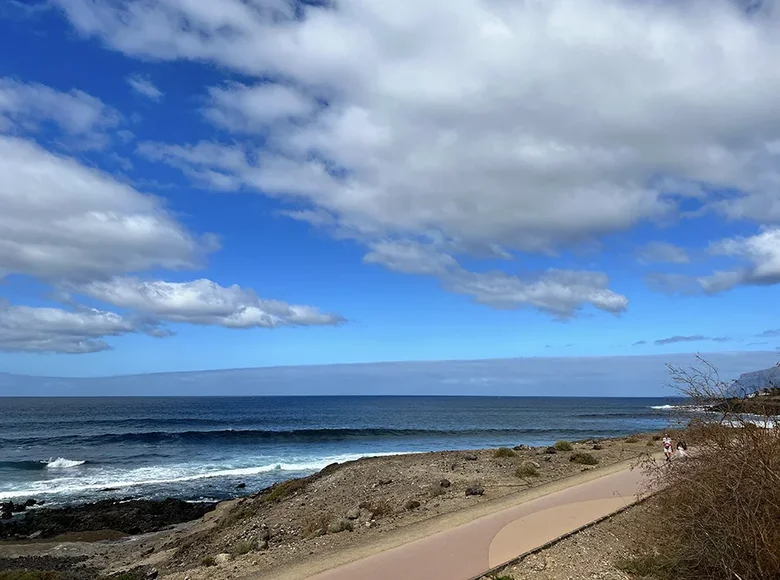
[{"x": 468, "y": 550}]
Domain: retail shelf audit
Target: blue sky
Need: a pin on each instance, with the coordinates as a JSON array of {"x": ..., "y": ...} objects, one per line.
[{"x": 192, "y": 186}]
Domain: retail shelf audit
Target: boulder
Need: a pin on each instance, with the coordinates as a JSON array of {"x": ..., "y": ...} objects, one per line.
[
  {"x": 152, "y": 574},
  {"x": 385, "y": 481},
  {"x": 30, "y": 502},
  {"x": 519, "y": 447},
  {"x": 222, "y": 558},
  {"x": 551, "y": 451},
  {"x": 241, "y": 485},
  {"x": 475, "y": 489},
  {"x": 353, "y": 514},
  {"x": 445, "y": 483},
  {"x": 530, "y": 463},
  {"x": 597, "y": 447},
  {"x": 6, "y": 510},
  {"x": 470, "y": 457}
]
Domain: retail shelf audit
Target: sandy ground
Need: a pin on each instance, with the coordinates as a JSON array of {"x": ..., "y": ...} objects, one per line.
[{"x": 357, "y": 509}]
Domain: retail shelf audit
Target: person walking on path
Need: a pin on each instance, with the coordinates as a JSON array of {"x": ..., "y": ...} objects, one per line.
[{"x": 668, "y": 448}]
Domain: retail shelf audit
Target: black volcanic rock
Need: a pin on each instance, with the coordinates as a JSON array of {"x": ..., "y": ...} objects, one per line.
[{"x": 130, "y": 517}]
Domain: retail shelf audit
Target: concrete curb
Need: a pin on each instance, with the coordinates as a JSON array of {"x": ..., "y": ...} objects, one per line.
[{"x": 524, "y": 555}]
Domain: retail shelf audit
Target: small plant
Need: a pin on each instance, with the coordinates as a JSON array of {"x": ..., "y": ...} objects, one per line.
[
  {"x": 208, "y": 561},
  {"x": 650, "y": 444},
  {"x": 242, "y": 547},
  {"x": 317, "y": 524},
  {"x": 563, "y": 446},
  {"x": 632, "y": 439},
  {"x": 584, "y": 459},
  {"x": 381, "y": 509},
  {"x": 527, "y": 470},
  {"x": 504, "y": 452},
  {"x": 340, "y": 525}
]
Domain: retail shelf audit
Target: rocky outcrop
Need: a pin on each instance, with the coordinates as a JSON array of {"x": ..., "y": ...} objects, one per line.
[{"x": 130, "y": 517}]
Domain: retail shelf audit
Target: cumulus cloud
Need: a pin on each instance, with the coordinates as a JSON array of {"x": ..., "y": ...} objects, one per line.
[
  {"x": 655, "y": 252},
  {"x": 53, "y": 330},
  {"x": 401, "y": 121},
  {"x": 142, "y": 85},
  {"x": 557, "y": 292},
  {"x": 204, "y": 302},
  {"x": 60, "y": 219},
  {"x": 761, "y": 253},
  {"x": 26, "y": 107}
]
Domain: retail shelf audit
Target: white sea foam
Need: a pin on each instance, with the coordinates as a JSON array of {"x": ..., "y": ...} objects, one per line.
[
  {"x": 165, "y": 475},
  {"x": 62, "y": 463}
]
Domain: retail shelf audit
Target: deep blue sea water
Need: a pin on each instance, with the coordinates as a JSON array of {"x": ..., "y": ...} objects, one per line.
[{"x": 65, "y": 450}]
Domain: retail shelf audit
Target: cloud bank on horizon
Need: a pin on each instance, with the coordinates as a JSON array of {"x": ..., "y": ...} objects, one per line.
[{"x": 579, "y": 162}]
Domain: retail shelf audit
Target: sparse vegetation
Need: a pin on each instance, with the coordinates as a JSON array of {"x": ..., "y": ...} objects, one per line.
[
  {"x": 208, "y": 561},
  {"x": 721, "y": 504},
  {"x": 632, "y": 439},
  {"x": 504, "y": 452},
  {"x": 412, "y": 504},
  {"x": 381, "y": 509},
  {"x": 526, "y": 470},
  {"x": 340, "y": 525},
  {"x": 242, "y": 547},
  {"x": 563, "y": 446},
  {"x": 584, "y": 459},
  {"x": 317, "y": 524}
]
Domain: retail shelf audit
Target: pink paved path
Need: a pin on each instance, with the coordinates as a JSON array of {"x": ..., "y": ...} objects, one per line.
[{"x": 470, "y": 549}]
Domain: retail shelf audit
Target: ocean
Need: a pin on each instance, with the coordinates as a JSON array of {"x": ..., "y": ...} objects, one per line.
[{"x": 67, "y": 450}]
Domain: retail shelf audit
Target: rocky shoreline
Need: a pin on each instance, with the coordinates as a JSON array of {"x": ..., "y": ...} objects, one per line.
[
  {"x": 339, "y": 508},
  {"x": 122, "y": 516}
]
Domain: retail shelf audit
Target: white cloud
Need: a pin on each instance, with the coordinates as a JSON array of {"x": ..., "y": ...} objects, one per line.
[
  {"x": 662, "y": 252},
  {"x": 145, "y": 87},
  {"x": 26, "y": 106},
  {"x": 242, "y": 108},
  {"x": 558, "y": 292},
  {"x": 26, "y": 329},
  {"x": 59, "y": 219},
  {"x": 515, "y": 126},
  {"x": 204, "y": 302},
  {"x": 762, "y": 254}
]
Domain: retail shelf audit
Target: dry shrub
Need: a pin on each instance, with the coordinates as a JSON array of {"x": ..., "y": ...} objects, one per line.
[
  {"x": 504, "y": 452},
  {"x": 584, "y": 459},
  {"x": 381, "y": 509},
  {"x": 317, "y": 524},
  {"x": 563, "y": 446},
  {"x": 720, "y": 505},
  {"x": 526, "y": 470}
]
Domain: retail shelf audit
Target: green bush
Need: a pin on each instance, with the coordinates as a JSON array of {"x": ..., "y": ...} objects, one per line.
[
  {"x": 504, "y": 452},
  {"x": 527, "y": 470},
  {"x": 563, "y": 446},
  {"x": 584, "y": 459}
]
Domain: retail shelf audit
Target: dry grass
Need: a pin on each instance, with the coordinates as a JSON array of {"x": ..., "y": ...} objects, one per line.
[
  {"x": 584, "y": 459},
  {"x": 527, "y": 470},
  {"x": 504, "y": 452},
  {"x": 721, "y": 505},
  {"x": 563, "y": 446}
]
